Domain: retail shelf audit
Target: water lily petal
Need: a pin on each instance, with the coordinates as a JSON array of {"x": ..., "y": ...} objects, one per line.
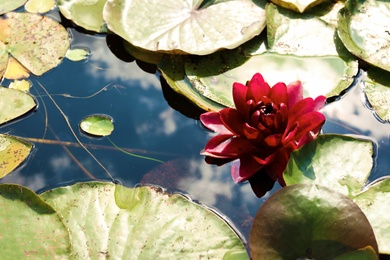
[
  {"x": 261, "y": 183},
  {"x": 273, "y": 141},
  {"x": 239, "y": 98},
  {"x": 257, "y": 88},
  {"x": 218, "y": 161},
  {"x": 295, "y": 93},
  {"x": 245, "y": 169},
  {"x": 212, "y": 121},
  {"x": 278, "y": 94},
  {"x": 319, "y": 102},
  {"x": 224, "y": 146},
  {"x": 234, "y": 121}
]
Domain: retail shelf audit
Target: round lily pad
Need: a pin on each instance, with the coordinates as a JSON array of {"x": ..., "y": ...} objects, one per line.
[
  {"x": 185, "y": 26},
  {"x": 14, "y": 103},
  {"x": 97, "y": 125},
  {"x": 38, "y": 42},
  {"x": 108, "y": 220},
  {"x": 7, "y": 6},
  {"x": 13, "y": 152},
  {"x": 309, "y": 222},
  {"x": 30, "y": 227}
]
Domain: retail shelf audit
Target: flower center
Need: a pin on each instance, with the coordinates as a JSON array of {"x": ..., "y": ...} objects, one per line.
[{"x": 267, "y": 109}]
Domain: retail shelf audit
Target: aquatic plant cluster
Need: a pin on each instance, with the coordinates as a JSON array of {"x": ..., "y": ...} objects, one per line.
[{"x": 311, "y": 53}]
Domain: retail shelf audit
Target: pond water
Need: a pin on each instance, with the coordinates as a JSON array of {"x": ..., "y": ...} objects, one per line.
[{"x": 146, "y": 124}]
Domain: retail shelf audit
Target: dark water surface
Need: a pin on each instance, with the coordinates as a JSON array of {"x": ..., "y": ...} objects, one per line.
[{"x": 146, "y": 124}]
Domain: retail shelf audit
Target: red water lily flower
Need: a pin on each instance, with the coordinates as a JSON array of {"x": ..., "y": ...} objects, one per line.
[{"x": 264, "y": 128}]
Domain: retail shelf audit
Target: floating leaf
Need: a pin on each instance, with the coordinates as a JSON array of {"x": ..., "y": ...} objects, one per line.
[
  {"x": 298, "y": 5},
  {"x": 141, "y": 223},
  {"x": 14, "y": 103},
  {"x": 337, "y": 161},
  {"x": 366, "y": 253},
  {"x": 185, "y": 26},
  {"x": 87, "y": 14},
  {"x": 30, "y": 227},
  {"x": 363, "y": 28},
  {"x": 213, "y": 76},
  {"x": 77, "y": 54},
  {"x": 39, "y": 43},
  {"x": 21, "y": 85},
  {"x": 97, "y": 125},
  {"x": 375, "y": 203},
  {"x": 13, "y": 152},
  {"x": 377, "y": 90},
  {"x": 309, "y": 34},
  {"x": 15, "y": 70},
  {"x": 309, "y": 222},
  {"x": 3, "y": 59},
  {"x": 143, "y": 55},
  {"x": 39, "y": 6},
  {"x": 7, "y": 5}
]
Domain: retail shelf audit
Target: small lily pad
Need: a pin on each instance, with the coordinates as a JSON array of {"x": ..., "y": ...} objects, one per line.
[
  {"x": 309, "y": 222},
  {"x": 21, "y": 85},
  {"x": 13, "y": 152},
  {"x": 337, "y": 161},
  {"x": 39, "y": 6},
  {"x": 97, "y": 125},
  {"x": 77, "y": 54},
  {"x": 105, "y": 219},
  {"x": 364, "y": 29},
  {"x": 30, "y": 227},
  {"x": 7, "y": 5},
  {"x": 185, "y": 26},
  {"x": 86, "y": 14},
  {"x": 14, "y": 103},
  {"x": 39, "y": 43}
]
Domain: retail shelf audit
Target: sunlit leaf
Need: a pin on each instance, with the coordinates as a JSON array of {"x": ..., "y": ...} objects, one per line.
[
  {"x": 141, "y": 54},
  {"x": 377, "y": 90},
  {"x": 39, "y": 43},
  {"x": 309, "y": 222},
  {"x": 337, "y": 161},
  {"x": 10, "y": 5},
  {"x": 185, "y": 26},
  {"x": 363, "y": 28},
  {"x": 15, "y": 70},
  {"x": 77, "y": 54},
  {"x": 21, "y": 85},
  {"x": 3, "y": 59},
  {"x": 39, "y": 6},
  {"x": 298, "y": 5},
  {"x": 141, "y": 223},
  {"x": 309, "y": 34},
  {"x": 14, "y": 103},
  {"x": 375, "y": 203},
  {"x": 213, "y": 75},
  {"x": 87, "y": 14},
  {"x": 13, "y": 152},
  {"x": 97, "y": 125},
  {"x": 30, "y": 228}
]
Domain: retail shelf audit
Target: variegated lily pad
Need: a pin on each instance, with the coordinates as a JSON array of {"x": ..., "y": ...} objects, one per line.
[
  {"x": 192, "y": 27},
  {"x": 10, "y": 5},
  {"x": 364, "y": 29},
  {"x": 39, "y": 43}
]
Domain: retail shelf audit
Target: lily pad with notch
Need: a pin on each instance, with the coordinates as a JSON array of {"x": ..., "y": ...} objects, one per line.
[{"x": 97, "y": 125}]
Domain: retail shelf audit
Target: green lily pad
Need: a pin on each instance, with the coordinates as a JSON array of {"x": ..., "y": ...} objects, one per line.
[
  {"x": 105, "y": 219},
  {"x": 97, "y": 125},
  {"x": 14, "y": 103},
  {"x": 363, "y": 28},
  {"x": 298, "y": 5},
  {"x": 13, "y": 152},
  {"x": 375, "y": 203},
  {"x": 214, "y": 77},
  {"x": 140, "y": 54},
  {"x": 39, "y": 43},
  {"x": 30, "y": 227},
  {"x": 86, "y": 14},
  {"x": 172, "y": 69},
  {"x": 309, "y": 222},
  {"x": 366, "y": 253},
  {"x": 337, "y": 161},
  {"x": 7, "y": 5},
  {"x": 77, "y": 54},
  {"x": 377, "y": 90},
  {"x": 39, "y": 6},
  {"x": 309, "y": 34},
  {"x": 185, "y": 26}
]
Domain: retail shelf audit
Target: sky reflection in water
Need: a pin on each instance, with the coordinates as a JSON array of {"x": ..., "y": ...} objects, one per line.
[{"x": 144, "y": 121}]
